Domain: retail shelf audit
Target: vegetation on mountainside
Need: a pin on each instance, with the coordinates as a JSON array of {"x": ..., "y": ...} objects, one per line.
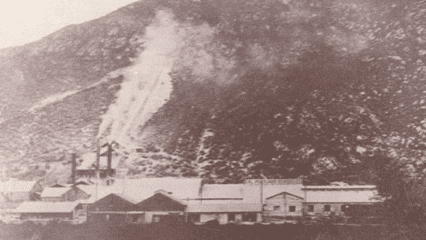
[{"x": 328, "y": 90}]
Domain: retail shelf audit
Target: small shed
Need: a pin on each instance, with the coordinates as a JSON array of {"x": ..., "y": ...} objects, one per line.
[
  {"x": 283, "y": 205},
  {"x": 225, "y": 213},
  {"x": 48, "y": 210},
  {"x": 63, "y": 194}
]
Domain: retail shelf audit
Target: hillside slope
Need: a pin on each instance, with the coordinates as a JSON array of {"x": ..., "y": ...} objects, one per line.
[{"x": 260, "y": 88}]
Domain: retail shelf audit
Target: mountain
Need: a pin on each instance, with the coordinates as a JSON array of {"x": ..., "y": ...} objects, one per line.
[{"x": 272, "y": 88}]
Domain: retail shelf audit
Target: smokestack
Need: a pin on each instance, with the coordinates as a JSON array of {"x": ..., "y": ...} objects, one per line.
[
  {"x": 109, "y": 160},
  {"x": 73, "y": 157}
]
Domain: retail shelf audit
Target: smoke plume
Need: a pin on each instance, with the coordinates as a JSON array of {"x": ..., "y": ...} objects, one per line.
[{"x": 147, "y": 84}]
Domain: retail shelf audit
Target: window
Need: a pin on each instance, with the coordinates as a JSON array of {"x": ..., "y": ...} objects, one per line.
[
  {"x": 343, "y": 208},
  {"x": 327, "y": 208},
  {"x": 276, "y": 208},
  {"x": 231, "y": 217},
  {"x": 292, "y": 208},
  {"x": 310, "y": 208}
]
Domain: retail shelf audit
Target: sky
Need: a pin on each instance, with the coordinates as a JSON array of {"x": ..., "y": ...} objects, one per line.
[{"x": 24, "y": 21}]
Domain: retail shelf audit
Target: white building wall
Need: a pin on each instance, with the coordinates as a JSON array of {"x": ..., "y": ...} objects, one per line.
[
  {"x": 149, "y": 216},
  {"x": 283, "y": 203},
  {"x": 221, "y": 217},
  {"x": 339, "y": 196}
]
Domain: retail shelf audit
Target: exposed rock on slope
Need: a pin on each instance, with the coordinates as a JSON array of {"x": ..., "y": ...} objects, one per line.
[{"x": 261, "y": 89}]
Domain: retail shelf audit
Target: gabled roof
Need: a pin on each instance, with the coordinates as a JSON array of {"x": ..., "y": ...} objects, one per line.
[
  {"x": 252, "y": 192},
  {"x": 122, "y": 196},
  {"x": 222, "y": 191},
  {"x": 54, "y": 191},
  {"x": 127, "y": 198},
  {"x": 98, "y": 194},
  {"x": 161, "y": 201},
  {"x": 285, "y": 193},
  {"x": 169, "y": 195},
  {"x": 82, "y": 182},
  {"x": 46, "y": 207},
  {"x": 17, "y": 186},
  {"x": 182, "y": 188},
  {"x": 224, "y": 208},
  {"x": 59, "y": 185},
  {"x": 143, "y": 188}
]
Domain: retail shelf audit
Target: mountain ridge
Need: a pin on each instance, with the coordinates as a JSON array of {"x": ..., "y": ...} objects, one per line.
[{"x": 265, "y": 89}]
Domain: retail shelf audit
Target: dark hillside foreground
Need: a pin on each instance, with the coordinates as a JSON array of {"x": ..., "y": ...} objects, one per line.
[{"x": 183, "y": 231}]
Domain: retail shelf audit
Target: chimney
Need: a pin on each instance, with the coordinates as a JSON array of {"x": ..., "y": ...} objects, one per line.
[
  {"x": 109, "y": 160},
  {"x": 73, "y": 157}
]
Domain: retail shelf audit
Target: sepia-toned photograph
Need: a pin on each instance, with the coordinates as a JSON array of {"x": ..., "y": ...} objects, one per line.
[{"x": 213, "y": 120}]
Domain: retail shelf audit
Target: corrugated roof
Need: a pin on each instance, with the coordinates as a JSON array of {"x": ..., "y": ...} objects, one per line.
[
  {"x": 291, "y": 181},
  {"x": 182, "y": 188},
  {"x": 224, "y": 208},
  {"x": 46, "y": 207},
  {"x": 284, "y": 193},
  {"x": 222, "y": 191},
  {"x": 102, "y": 192},
  {"x": 252, "y": 192},
  {"x": 127, "y": 198},
  {"x": 143, "y": 188},
  {"x": 341, "y": 194},
  {"x": 333, "y": 187},
  {"x": 169, "y": 195},
  {"x": 17, "y": 186},
  {"x": 59, "y": 185},
  {"x": 54, "y": 191}
]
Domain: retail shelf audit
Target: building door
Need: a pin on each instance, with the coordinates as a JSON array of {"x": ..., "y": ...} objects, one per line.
[{"x": 231, "y": 217}]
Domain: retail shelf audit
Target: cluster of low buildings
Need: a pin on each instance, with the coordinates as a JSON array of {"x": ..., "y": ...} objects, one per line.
[
  {"x": 97, "y": 193},
  {"x": 149, "y": 200}
]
